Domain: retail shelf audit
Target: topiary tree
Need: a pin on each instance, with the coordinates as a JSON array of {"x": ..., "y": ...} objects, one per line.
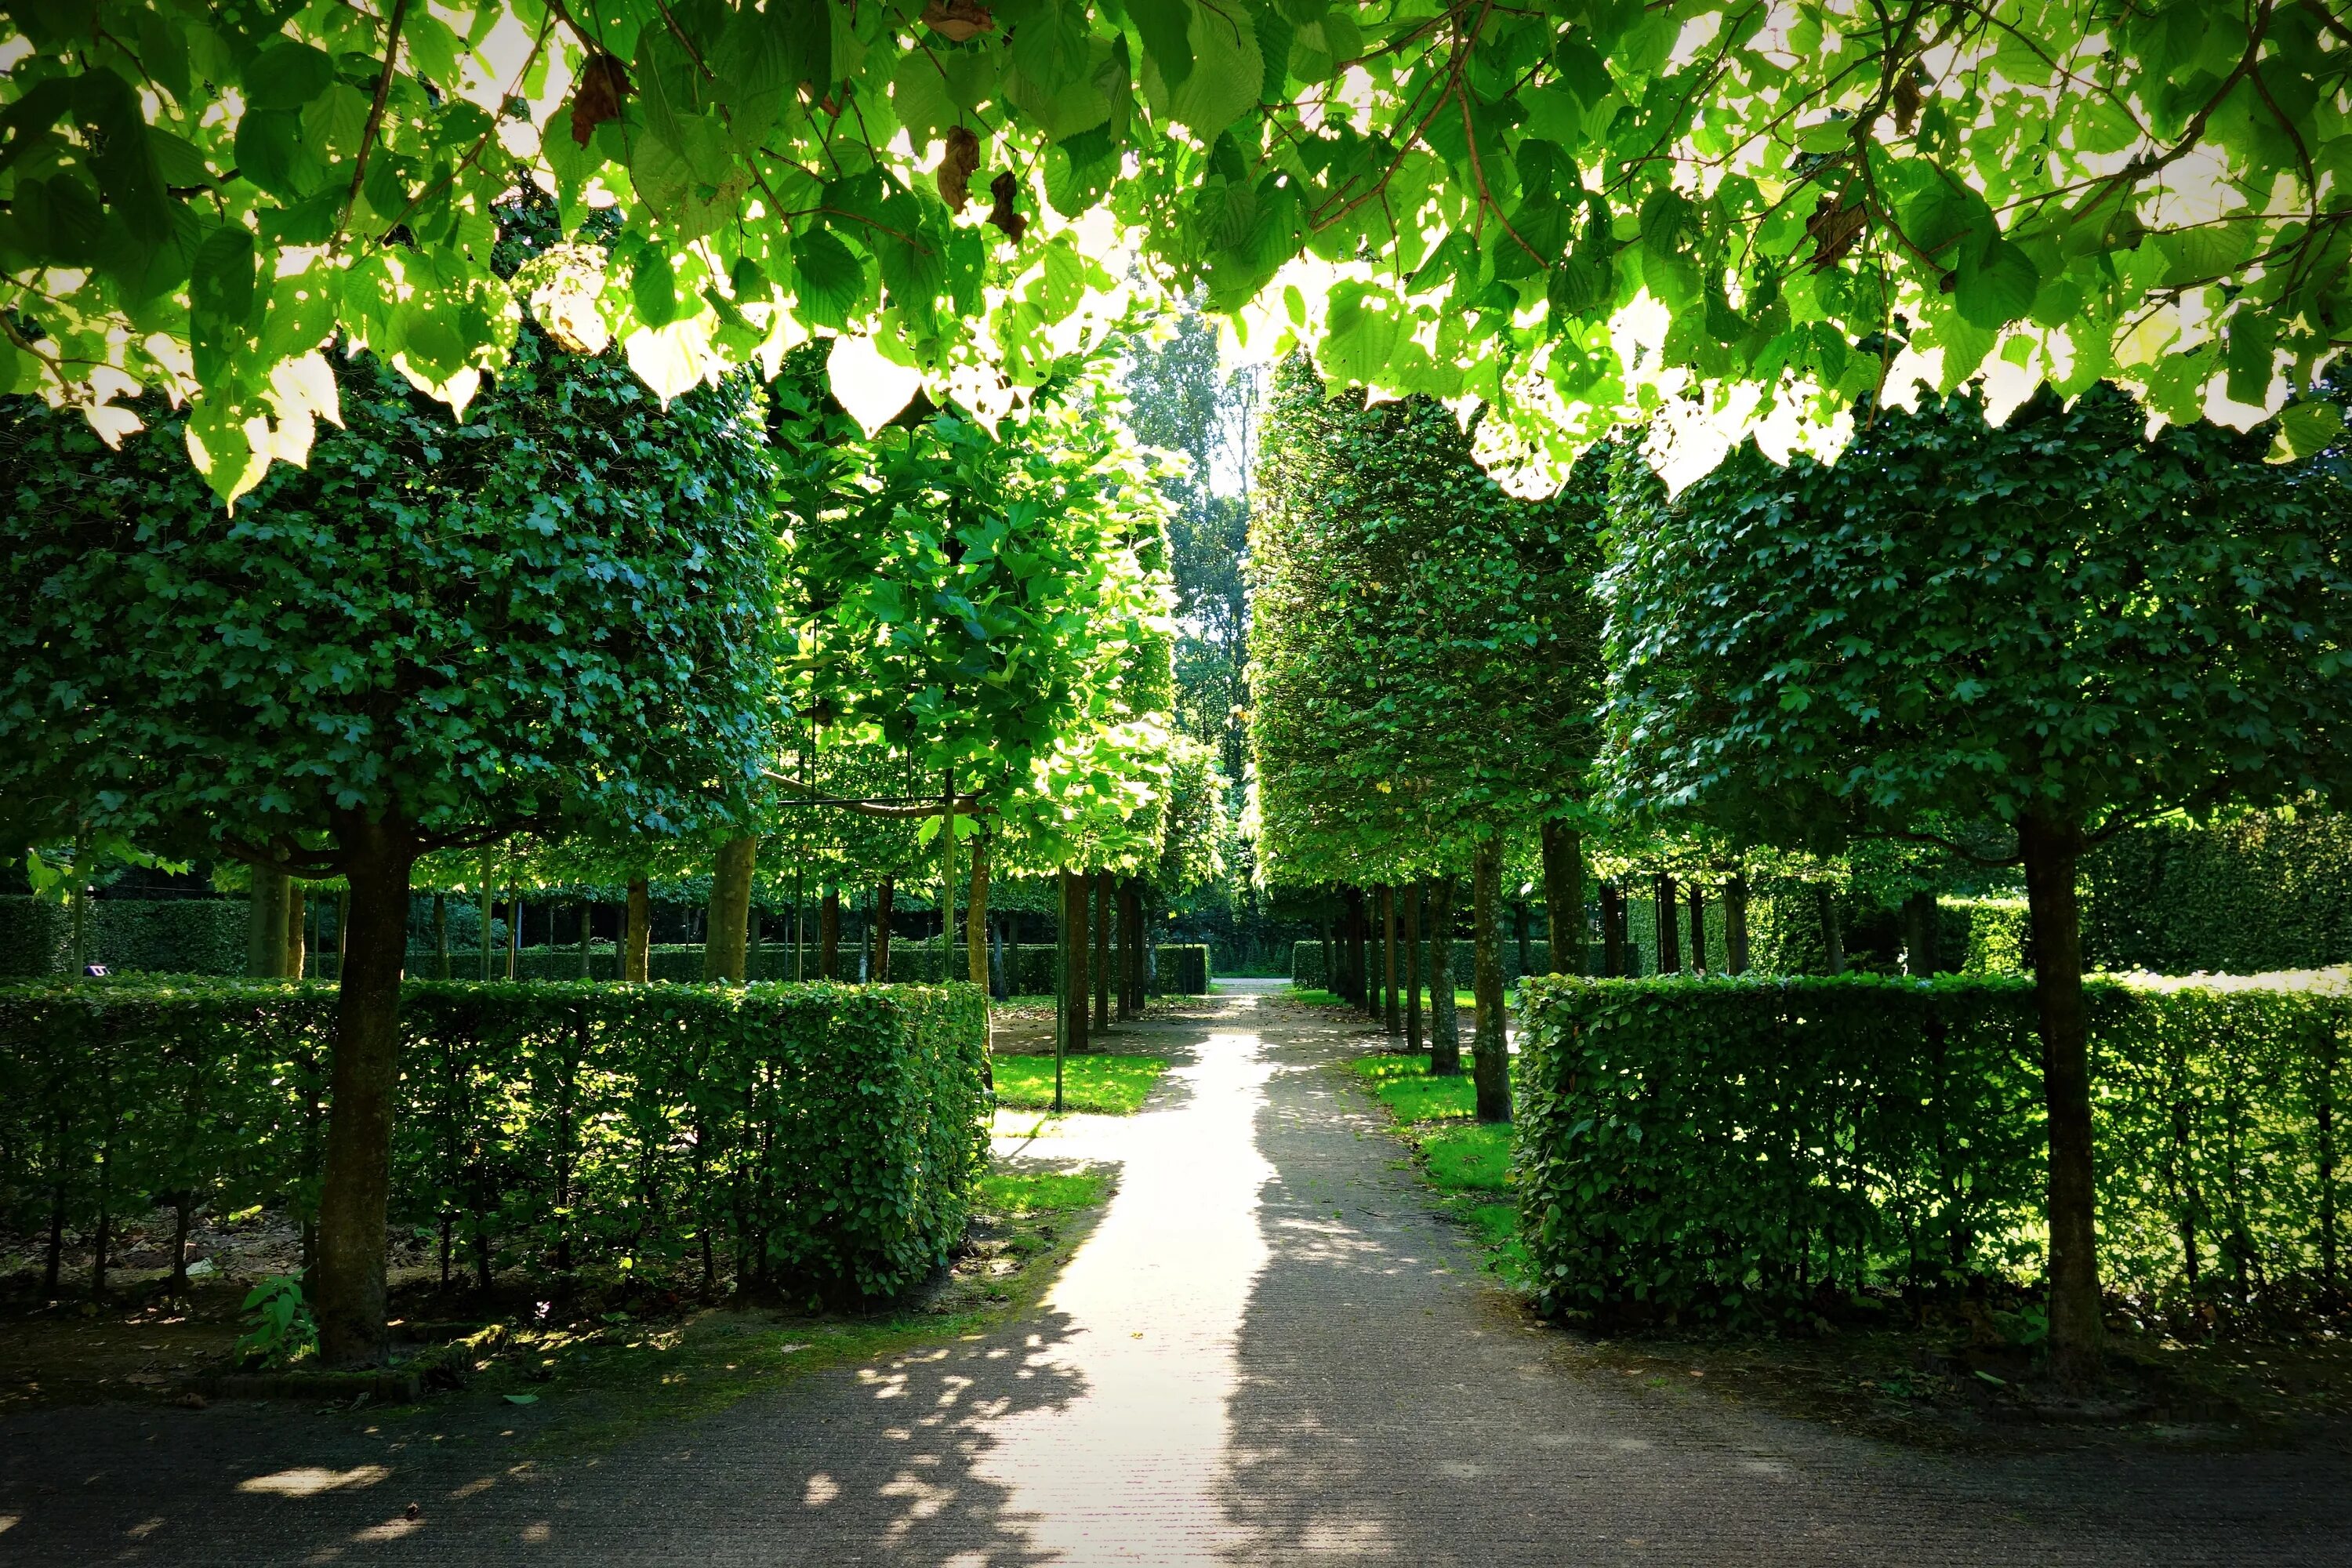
[
  {"x": 549, "y": 616},
  {"x": 2059, "y": 625}
]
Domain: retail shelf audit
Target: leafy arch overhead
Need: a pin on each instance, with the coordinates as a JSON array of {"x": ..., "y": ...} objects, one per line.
[{"x": 1742, "y": 214}]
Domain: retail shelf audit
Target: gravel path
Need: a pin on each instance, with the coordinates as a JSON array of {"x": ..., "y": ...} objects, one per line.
[{"x": 1268, "y": 1352}]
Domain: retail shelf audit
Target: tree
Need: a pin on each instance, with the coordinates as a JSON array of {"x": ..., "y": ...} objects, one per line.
[
  {"x": 1425, "y": 659},
  {"x": 1472, "y": 196},
  {"x": 2057, "y": 625},
  {"x": 551, "y": 615}
]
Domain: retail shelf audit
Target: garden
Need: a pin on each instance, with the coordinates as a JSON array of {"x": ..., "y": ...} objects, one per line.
[{"x": 623, "y": 626}]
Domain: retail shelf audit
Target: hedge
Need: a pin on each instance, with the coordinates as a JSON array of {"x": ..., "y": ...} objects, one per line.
[
  {"x": 1732, "y": 1147},
  {"x": 1183, "y": 970},
  {"x": 185, "y": 936},
  {"x": 2267, "y": 891},
  {"x": 1307, "y": 960},
  {"x": 819, "y": 1136}
]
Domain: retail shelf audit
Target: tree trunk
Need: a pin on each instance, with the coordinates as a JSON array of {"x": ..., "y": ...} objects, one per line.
[
  {"x": 1392, "y": 1018},
  {"x": 1074, "y": 972},
  {"x": 1919, "y": 917},
  {"x": 265, "y": 942},
  {"x": 1670, "y": 943},
  {"x": 440, "y": 934},
  {"x": 1101, "y": 973},
  {"x": 885, "y": 893},
  {"x": 514, "y": 929},
  {"x": 1125, "y": 948},
  {"x": 1698, "y": 928},
  {"x": 1612, "y": 929},
  {"x": 828, "y": 935},
  {"x": 637, "y": 960},
  {"x": 1833, "y": 931},
  {"x": 975, "y": 920},
  {"x": 1520, "y": 935},
  {"x": 2050, "y": 850},
  {"x": 729, "y": 932},
  {"x": 348, "y": 1285},
  {"x": 297, "y": 951},
  {"x": 1445, "y": 1026},
  {"x": 1360, "y": 958},
  {"x": 1735, "y": 923},
  {"x": 1490, "y": 1060},
  {"x": 1413, "y": 896},
  {"x": 1563, "y": 872},
  {"x": 490, "y": 905},
  {"x": 1330, "y": 981},
  {"x": 587, "y": 934}
]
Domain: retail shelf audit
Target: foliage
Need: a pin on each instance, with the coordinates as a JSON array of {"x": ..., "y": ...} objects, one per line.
[
  {"x": 2259, "y": 891},
  {"x": 1307, "y": 960},
  {"x": 1423, "y": 646},
  {"x": 178, "y": 936},
  {"x": 812, "y": 1135},
  {"x": 1574, "y": 215},
  {"x": 548, "y": 614},
  {"x": 1107, "y": 1085},
  {"x": 1741, "y": 1148},
  {"x": 1813, "y": 650},
  {"x": 279, "y": 1327}
]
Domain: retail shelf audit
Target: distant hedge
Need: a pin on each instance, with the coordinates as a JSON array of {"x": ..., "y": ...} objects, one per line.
[
  {"x": 1307, "y": 962},
  {"x": 1183, "y": 970},
  {"x": 1729, "y": 1147},
  {"x": 820, "y": 1137},
  {"x": 2267, "y": 891},
  {"x": 177, "y": 936}
]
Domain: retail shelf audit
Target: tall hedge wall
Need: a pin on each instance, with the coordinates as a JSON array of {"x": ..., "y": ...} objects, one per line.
[
  {"x": 1733, "y": 1147},
  {"x": 818, "y": 1136},
  {"x": 2264, "y": 892},
  {"x": 1184, "y": 969},
  {"x": 1307, "y": 960},
  {"x": 177, "y": 936}
]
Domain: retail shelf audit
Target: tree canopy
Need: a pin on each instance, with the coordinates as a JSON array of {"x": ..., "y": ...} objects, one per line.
[{"x": 1739, "y": 216}]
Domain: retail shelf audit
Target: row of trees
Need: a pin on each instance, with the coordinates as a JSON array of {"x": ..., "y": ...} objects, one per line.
[
  {"x": 587, "y": 635},
  {"x": 1963, "y": 645}
]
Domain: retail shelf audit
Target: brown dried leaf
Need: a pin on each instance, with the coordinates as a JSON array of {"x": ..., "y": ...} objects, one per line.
[
  {"x": 1906, "y": 100},
  {"x": 1835, "y": 228},
  {"x": 956, "y": 20},
  {"x": 1004, "y": 187},
  {"x": 955, "y": 168},
  {"x": 602, "y": 85}
]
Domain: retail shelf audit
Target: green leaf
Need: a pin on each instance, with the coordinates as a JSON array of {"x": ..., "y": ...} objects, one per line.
[
  {"x": 287, "y": 75},
  {"x": 653, "y": 287},
  {"x": 1995, "y": 285},
  {"x": 271, "y": 152},
  {"x": 1165, "y": 28},
  {"x": 831, "y": 279},
  {"x": 2304, "y": 430},
  {"x": 1227, "y": 76}
]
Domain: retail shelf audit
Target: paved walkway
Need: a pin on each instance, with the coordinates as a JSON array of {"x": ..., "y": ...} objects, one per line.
[{"x": 1267, "y": 1353}]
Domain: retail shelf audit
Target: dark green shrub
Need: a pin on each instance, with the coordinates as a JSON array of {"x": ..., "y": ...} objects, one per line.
[
  {"x": 819, "y": 1136},
  {"x": 1739, "y": 1147},
  {"x": 164, "y": 936},
  {"x": 2266, "y": 891}
]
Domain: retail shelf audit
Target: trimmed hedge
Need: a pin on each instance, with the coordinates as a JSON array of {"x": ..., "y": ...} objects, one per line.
[
  {"x": 1184, "y": 969},
  {"x": 1737, "y": 1147},
  {"x": 1307, "y": 960},
  {"x": 817, "y": 1136},
  {"x": 2267, "y": 891},
  {"x": 179, "y": 936}
]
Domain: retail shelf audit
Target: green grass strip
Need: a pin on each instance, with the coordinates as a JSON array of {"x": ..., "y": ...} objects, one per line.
[{"x": 1106, "y": 1085}]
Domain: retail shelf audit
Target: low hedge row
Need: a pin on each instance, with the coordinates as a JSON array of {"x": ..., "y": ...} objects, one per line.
[
  {"x": 1737, "y": 1146},
  {"x": 1183, "y": 970},
  {"x": 820, "y": 1135}
]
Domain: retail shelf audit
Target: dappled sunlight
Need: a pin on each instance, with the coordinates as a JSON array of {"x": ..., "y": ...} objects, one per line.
[{"x": 310, "y": 1480}]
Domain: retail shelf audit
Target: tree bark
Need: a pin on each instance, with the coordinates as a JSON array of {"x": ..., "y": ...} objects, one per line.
[
  {"x": 1127, "y": 948},
  {"x": 489, "y": 907},
  {"x": 1413, "y": 896},
  {"x": 1919, "y": 918},
  {"x": 1359, "y": 956},
  {"x": 1330, "y": 981},
  {"x": 265, "y": 942},
  {"x": 587, "y": 934},
  {"x": 1445, "y": 1026},
  {"x": 1101, "y": 972},
  {"x": 1670, "y": 944},
  {"x": 885, "y": 893},
  {"x": 1833, "y": 931},
  {"x": 1392, "y": 1019},
  {"x": 1698, "y": 928},
  {"x": 1564, "y": 870},
  {"x": 1735, "y": 923},
  {"x": 728, "y": 935},
  {"x": 348, "y": 1284},
  {"x": 828, "y": 935},
  {"x": 637, "y": 962},
  {"x": 975, "y": 919},
  {"x": 2051, "y": 849},
  {"x": 297, "y": 950},
  {"x": 1490, "y": 1060},
  {"x": 1073, "y": 975},
  {"x": 1519, "y": 932},
  {"x": 1612, "y": 929}
]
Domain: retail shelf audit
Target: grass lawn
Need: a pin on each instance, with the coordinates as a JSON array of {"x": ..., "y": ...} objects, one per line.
[
  {"x": 1108, "y": 1085},
  {"x": 1468, "y": 1162},
  {"x": 1018, "y": 1193}
]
